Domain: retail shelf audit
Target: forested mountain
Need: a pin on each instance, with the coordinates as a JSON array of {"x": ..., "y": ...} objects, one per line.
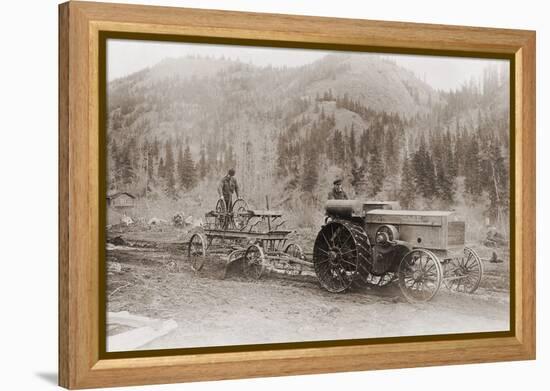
[{"x": 174, "y": 129}]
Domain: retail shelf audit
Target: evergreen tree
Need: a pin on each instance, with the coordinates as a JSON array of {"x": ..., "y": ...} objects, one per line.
[
  {"x": 115, "y": 164},
  {"x": 212, "y": 155},
  {"x": 150, "y": 164},
  {"x": 155, "y": 150},
  {"x": 363, "y": 145},
  {"x": 424, "y": 171},
  {"x": 160, "y": 170},
  {"x": 282, "y": 158},
  {"x": 338, "y": 147},
  {"x": 375, "y": 175},
  {"x": 498, "y": 188},
  {"x": 419, "y": 168},
  {"x": 358, "y": 177},
  {"x": 169, "y": 170},
  {"x": 472, "y": 169},
  {"x": 179, "y": 168},
  {"x": 202, "y": 165},
  {"x": 132, "y": 152},
  {"x": 127, "y": 172},
  {"x": 390, "y": 151},
  {"x": 187, "y": 171},
  {"x": 310, "y": 176},
  {"x": 445, "y": 184},
  {"x": 431, "y": 179},
  {"x": 352, "y": 142},
  {"x": 407, "y": 190}
]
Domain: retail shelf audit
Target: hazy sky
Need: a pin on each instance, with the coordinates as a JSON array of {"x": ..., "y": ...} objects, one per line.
[{"x": 128, "y": 56}]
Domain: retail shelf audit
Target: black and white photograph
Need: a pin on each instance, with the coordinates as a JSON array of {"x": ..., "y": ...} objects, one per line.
[{"x": 261, "y": 195}]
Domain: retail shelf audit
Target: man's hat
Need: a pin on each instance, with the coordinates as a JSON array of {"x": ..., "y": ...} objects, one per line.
[
  {"x": 337, "y": 181},
  {"x": 231, "y": 172}
]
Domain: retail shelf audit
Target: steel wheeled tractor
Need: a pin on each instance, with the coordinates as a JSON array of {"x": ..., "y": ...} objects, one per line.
[{"x": 375, "y": 243}]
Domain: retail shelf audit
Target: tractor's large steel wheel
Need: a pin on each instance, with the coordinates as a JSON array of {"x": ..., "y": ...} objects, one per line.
[
  {"x": 463, "y": 274},
  {"x": 240, "y": 213},
  {"x": 341, "y": 256},
  {"x": 254, "y": 262},
  {"x": 420, "y": 275},
  {"x": 221, "y": 215},
  {"x": 196, "y": 251}
]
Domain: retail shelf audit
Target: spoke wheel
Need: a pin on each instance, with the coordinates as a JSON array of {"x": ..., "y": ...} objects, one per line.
[
  {"x": 295, "y": 251},
  {"x": 221, "y": 215},
  {"x": 254, "y": 262},
  {"x": 341, "y": 256},
  {"x": 419, "y": 275},
  {"x": 240, "y": 214},
  {"x": 196, "y": 251},
  {"x": 464, "y": 274}
]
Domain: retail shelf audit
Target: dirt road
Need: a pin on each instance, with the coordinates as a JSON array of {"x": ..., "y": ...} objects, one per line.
[{"x": 211, "y": 311}]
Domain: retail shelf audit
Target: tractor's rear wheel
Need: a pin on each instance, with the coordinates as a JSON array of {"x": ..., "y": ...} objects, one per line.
[{"x": 341, "y": 256}]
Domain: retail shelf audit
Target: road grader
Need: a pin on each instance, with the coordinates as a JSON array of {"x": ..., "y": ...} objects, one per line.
[{"x": 360, "y": 243}]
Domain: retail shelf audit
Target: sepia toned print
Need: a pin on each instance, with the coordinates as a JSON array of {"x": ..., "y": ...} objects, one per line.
[{"x": 280, "y": 195}]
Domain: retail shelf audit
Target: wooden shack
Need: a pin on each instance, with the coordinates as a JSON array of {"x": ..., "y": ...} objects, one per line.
[{"x": 121, "y": 200}]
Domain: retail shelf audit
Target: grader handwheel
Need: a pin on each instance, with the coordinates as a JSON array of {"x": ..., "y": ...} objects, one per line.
[
  {"x": 196, "y": 251},
  {"x": 221, "y": 215},
  {"x": 240, "y": 209},
  {"x": 419, "y": 275},
  {"x": 341, "y": 256},
  {"x": 464, "y": 274}
]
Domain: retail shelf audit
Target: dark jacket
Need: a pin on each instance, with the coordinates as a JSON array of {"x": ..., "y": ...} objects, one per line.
[
  {"x": 228, "y": 185},
  {"x": 337, "y": 195}
]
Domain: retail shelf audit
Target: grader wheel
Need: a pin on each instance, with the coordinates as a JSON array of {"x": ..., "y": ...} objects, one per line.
[
  {"x": 419, "y": 275},
  {"x": 295, "y": 251},
  {"x": 196, "y": 251},
  {"x": 341, "y": 256},
  {"x": 254, "y": 262},
  {"x": 464, "y": 274}
]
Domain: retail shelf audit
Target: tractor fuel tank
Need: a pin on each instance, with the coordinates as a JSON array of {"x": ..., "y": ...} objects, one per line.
[{"x": 346, "y": 209}]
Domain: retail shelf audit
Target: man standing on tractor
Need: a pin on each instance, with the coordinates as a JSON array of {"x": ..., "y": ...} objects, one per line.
[
  {"x": 227, "y": 186},
  {"x": 337, "y": 193}
]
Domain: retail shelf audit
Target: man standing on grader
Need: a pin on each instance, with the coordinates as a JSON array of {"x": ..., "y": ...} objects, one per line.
[{"x": 228, "y": 185}]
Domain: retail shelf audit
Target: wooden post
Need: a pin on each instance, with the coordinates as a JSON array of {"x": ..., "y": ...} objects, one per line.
[{"x": 268, "y": 217}]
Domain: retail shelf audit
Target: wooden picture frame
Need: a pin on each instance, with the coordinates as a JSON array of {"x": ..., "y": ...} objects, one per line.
[{"x": 81, "y": 24}]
